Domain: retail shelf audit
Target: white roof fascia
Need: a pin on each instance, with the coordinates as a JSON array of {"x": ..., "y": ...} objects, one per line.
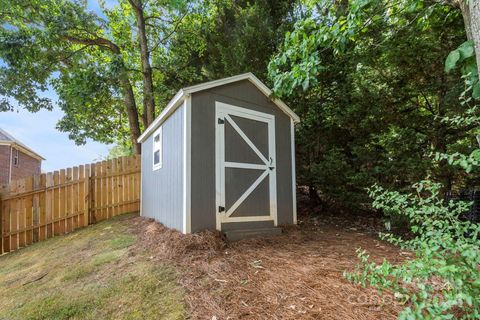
[
  {"x": 169, "y": 109},
  {"x": 174, "y": 103},
  {"x": 28, "y": 151},
  {"x": 8, "y": 135},
  {"x": 22, "y": 148}
]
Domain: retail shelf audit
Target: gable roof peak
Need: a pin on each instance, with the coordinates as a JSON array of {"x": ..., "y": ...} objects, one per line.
[{"x": 182, "y": 93}]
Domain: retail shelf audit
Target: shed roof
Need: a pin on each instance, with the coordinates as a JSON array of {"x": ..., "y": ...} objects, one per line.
[
  {"x": 182, "y": 93},
  {"x": 8, "y": 139}
]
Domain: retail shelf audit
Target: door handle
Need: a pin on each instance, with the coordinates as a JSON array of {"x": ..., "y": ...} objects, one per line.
[{"x": 271, "y": 162}]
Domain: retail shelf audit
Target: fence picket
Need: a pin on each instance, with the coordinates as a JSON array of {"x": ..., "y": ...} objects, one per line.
[
  {"x": 42, "y": 203},
  {"x": 114, "y": 198},
  {"x": 93, "y": 192},
  {"x": 68, "y": 201},
  {"x": 75, "y": 208},
  {"x": 103, "y": 210},
  {"x": 49, "y": 205}
]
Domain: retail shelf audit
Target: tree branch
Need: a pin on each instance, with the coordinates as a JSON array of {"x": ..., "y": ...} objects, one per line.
[
  {"x": 101, "y": 42},
  {"x": 159, "y": 18},
  {"x": 464, "y": 130},
  {"x": 175, "y": 28},
  {"x": 429, "y": 106}
]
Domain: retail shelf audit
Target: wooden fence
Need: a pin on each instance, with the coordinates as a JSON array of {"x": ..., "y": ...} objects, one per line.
[{"x": 51, "y": 204}]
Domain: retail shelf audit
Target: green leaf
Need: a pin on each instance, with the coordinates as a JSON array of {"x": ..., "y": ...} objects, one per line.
[
  {"x": 452, "y": 60},
  {"x": 305, "y": 83},
  {"x": 466, "y": 50},
  {"x": 476, "y": 91}
]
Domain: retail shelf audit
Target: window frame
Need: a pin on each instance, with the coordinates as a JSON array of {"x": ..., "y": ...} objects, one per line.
[
  {"x": 157, "y": 146},
  {"x": 15, "y": 157}
]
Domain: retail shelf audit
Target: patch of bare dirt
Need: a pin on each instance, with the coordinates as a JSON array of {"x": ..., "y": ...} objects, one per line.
[{"x": 297, "y": 275}]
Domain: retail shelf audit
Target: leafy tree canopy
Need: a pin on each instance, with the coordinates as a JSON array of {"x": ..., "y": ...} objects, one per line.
[
  {"x": 94, "y": 62},
  {"x": 368, "y": 80}
]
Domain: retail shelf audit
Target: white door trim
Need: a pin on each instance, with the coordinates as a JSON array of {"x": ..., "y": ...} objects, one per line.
[
  {"x": 255, "y": 115},
  {"x": 242, "y": 165},
  {"x": 248, "y": 219},
  {"x": 223, "y": 111}
]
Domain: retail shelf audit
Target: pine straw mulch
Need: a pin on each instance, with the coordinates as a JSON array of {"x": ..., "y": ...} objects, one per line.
[{"x": 297, "y": 275}]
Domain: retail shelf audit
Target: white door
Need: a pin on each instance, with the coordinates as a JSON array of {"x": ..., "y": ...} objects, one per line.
[{"x": 245, "y": 165}]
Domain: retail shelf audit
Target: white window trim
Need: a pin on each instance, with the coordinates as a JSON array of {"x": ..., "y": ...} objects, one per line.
[{"x": 157, "y": 147}]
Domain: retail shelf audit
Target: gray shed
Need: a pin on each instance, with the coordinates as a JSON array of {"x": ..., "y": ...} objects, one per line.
[{"x": 221, "y": 156}]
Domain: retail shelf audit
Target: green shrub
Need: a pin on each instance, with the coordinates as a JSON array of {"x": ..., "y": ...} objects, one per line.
[{"x": 442, "y": 281}]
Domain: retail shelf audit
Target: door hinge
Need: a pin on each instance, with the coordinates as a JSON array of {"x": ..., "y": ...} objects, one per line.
[
  {"x": 221, "y": 121},
  {"x": 221, "y": 209}
]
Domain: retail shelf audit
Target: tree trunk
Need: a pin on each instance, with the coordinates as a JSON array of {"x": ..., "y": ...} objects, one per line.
[
  {"x": 132, "y": 112},
  {"x": 148, "y": 98},
  {"x": 467, "y": 21},
  {"x": 474, "y": 8},
  {"x": 471, "y": 18}
]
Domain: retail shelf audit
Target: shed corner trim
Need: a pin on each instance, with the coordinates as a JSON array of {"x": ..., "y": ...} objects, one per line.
[{"x": 187, "y": 164}]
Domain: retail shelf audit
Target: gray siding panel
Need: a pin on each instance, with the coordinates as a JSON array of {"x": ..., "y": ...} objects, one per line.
[
  {"x": 243, "y": 94},
  {"x": 162, "y": 189}
]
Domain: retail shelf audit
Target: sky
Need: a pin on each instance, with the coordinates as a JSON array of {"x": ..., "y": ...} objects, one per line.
[{"x": 37, "y": 131}]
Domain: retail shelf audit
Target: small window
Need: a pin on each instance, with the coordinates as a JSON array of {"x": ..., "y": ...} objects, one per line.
[
  {"x": 15, "y": 157},
  {"x": 157, "y": 149}
]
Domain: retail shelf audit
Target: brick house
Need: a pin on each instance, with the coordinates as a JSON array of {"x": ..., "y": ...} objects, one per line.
[{"x": 16, "y": 159}]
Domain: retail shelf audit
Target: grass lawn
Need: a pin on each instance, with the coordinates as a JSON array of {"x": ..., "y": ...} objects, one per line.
[{"x": 89, "y": 274}]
